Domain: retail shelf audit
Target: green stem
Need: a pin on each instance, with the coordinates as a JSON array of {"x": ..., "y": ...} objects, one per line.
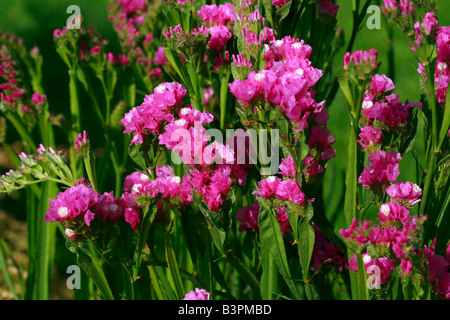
[{"x": 75, "y": 115}]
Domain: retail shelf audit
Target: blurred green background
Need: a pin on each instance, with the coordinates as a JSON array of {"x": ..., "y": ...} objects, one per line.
[{"x": 34, "y": 21}]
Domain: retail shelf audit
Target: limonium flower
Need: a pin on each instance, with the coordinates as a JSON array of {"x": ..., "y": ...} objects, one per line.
[
  {"x": 217, "y": 14},
  {"x": 74, "y": 203},
  {"x": 156, "y": 108},
  {"x": 371, "y": 139},
  {"x": 383, "y": 170},
  {"x": 392, "y": 212},
  {"x": 197, "y": 294},
  {"x": 405, "y": 192},
  {"x": 280, "y": 3},
  {"x": 358, "y": 233},
  {"x": 82, "y": 145},
  {"x": 442, "y": 74},
  {"x": 385, "y": 265}
]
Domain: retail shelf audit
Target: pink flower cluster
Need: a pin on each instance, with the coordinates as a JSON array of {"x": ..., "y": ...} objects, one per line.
[
  {"x": 362, "y": 60},
  {"x": 248, "y": 217},
  {"x": 156, "y": 109},
  {"x": 405, "y": 7},
  {"x": 329, "y": 8},
  {"x": 286, "y": 82},
  {"x": 439, "y": 271},
  {"x": 77, "y": 206},
  {"x": 442, "y": 74},
  {"x": 385, "y": 109},
  {"x": 385, "y": 265},
  {"x": 11, "y": 93},
  {"x": 280, "y": 3},
  {"x": 197, "y": 294},
  {"x": 384, "y": 169},
  {"x": 132, "y": 6},
  {"x": 214, "y": 15},
  {"x": 283, "y": 190},
  {"x": 406, "y": 193},
  {"x": 371, "y": 139}
]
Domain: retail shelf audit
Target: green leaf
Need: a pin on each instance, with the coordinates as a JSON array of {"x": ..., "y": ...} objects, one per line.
[
  {"x": 269, "y": 274},
  {"x": 363, "y": 290},
  {"x": 173, "y": 267},
  {"x": 245, "y": 273},
  {"x": 306, "y": 239},
  {"x": 5, "y": 272},
  {"x": 409, "y": 138},
  {"x": 137, "y": 155},
  {"x": 346, "y": 90},
  {"x": 268, "y": 11},
  {"x": 91, "y": 265},
  {"x": 270, "y": 233},
  {"x": 147, "y": 220},
  {"x": 351, "y": 179}
]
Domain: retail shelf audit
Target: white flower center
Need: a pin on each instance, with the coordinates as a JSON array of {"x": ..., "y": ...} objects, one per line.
[
  {"x": 367, "y": 258},
  {"x": 160, "y": 88},
  {"x": 278, "y": 43},
  {"x": 175, "y": 179},
  {"x": 442, "y": 66},
  {"x": 69, "y": 232},
  {"x": 271, "y": 179},
  {"x": 297, "y": 45},
  {"x": 367, "y": 104},
  {"x": 416, "y": 188},
  {"x": 266, "y": 48},
  {"x": 300, "y": 71},
  {"x": 144, "y": 177},
  {"x": 180, "y": 122},
  {"x": 136, "y": 187},
  {"x": 113, "y": 207},
  {"x": 63, "y": 212},
  {"x": 259, "y": 76},
  {"x": 184, "y": 111},
  {"x": 384, "y": 209}
]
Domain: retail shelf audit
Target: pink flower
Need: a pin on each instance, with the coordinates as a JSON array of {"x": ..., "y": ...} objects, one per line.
[
  {"x": 328, "y": 7},
  {"x": 384, "y": 169},
  {"x": 71, "y": 204},
  {"x": 219, "y": 37},
  {"x": 407, "y": 192},
  {"x": 248, "y": 217},
  {"x": 370, "y": 138},
  {"x": 217, "y": 14},
  {"x": 365, "y": 60},
  {"x": 357, "y": 233},
  {"x": 380, "y": 84},
  {"x": 268, "y": 187},
  {"x": 287, "y": 167},
  {"x": 132, "y": 6},
  {"x": 132, "y": 217},
  {"x": 108, "y": 208},
  {"x": 290, "y": 191},
  {"x": 37, "y": 98},
  {"x": 82, "y": 145},
  {"x": 280, "y": 3},
  {"x": 155, "y": 109},
  {"x": 392, "y": 212},
  {"x": 385, "y": 265},
  {"x": 160, "y": 57},
  {"x": 429, "y": 23},
  {"x": 197, "y": 294}
]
